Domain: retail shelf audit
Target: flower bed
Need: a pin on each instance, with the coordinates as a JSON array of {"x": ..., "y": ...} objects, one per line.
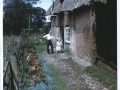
[{"x": 34, "y": 75}]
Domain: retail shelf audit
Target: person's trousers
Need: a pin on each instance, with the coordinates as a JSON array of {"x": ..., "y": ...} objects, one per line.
[{"x": 49, "y": 43}]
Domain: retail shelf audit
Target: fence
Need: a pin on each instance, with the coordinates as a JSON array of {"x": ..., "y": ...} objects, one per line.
[{"x": 10, "y": 69}]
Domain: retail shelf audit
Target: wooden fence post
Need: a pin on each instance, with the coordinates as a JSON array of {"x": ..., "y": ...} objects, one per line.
[
  {"x": 12, "y": 84},
  {"x": 12, "y": 62},
  {"x": 6, "y": 49},
  {"x": 12, "y": 38}
]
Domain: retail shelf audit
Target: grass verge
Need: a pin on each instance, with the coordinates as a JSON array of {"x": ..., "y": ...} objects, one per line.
[
  {"x": 41, "y": 47},
  {"x": 103, "y": 76},
  {"x": 60, "y": 82}
]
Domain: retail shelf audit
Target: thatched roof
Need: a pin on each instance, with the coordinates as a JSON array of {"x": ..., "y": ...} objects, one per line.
[
  {"x": 69, "y": 5},
  {"x": 54, "y": 8}
]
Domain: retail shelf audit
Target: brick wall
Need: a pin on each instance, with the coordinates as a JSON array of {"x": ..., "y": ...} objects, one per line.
[
  {"x": 83, "y": 38},
  {"x": 85, "y": 46}
]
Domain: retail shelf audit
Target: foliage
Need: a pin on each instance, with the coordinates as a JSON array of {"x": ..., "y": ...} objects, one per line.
[
  {"x": 31, "y": 69},
  {"x": 31, "y": 43},
  {"x": 45, "y": 29},
  {"x": 16, "y": 15},
  {"x": 45, "y": 82},
  {"x": 103, "y": 76},
  {"x": 34, "y": 74},
  {"x": 38, "y": 16},
  {"x": 23, "y": 33},
  {"x": 36, "y": 29},
  {"x": 41, "y": 48}
]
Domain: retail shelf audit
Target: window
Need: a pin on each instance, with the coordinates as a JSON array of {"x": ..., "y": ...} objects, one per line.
[
  {"x": 67, "y": 34},
  {"x": 53, "y": 31}
]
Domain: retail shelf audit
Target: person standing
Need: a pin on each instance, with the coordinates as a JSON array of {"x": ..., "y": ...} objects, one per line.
[{"x": 49, "y": 38}]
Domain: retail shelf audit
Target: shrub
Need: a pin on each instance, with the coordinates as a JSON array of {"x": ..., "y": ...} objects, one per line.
[{"x": 45, "y": 29}]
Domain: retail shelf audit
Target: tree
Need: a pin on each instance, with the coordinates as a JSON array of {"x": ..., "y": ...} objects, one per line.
[
  {"x": 16, "y": 13},
  {"x": 38, "y": 17}
]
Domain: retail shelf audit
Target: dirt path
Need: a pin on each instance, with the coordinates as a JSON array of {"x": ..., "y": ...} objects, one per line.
[{"x": 73, "y": 72}]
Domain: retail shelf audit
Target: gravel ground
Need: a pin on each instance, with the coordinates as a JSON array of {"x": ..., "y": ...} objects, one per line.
[{"x": 73, "y": 72}]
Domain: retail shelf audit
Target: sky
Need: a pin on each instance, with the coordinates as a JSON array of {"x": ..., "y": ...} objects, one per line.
[{"x": 45, "y": 4}]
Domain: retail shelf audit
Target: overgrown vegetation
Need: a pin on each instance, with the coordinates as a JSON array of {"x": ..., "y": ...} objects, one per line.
[
  {"x": 103, "y": 76},
  {"x": 34, "y": 74},
  {"x": 39, "y": 43},
  {"x": 31, "y": 43}
]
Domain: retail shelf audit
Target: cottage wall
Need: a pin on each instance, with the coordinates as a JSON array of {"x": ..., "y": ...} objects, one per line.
[
  {"x": 56, "y": 24},
  {"x": 61, "y": 17},
  {"x": 66, "y": 18},
  {"x": 84, "y": 23},
  {"x": 106, "y": 36},
  {"x": 57, "y": 21},
  {"x": 53, "y": 24},
  {"x": 85, "y": 46},
  {"x": 69, "y": 22},
  {"x": 82, "y": 41},
  {"x": 53, "y": 21},
  {"x": 53, "y": 27}
]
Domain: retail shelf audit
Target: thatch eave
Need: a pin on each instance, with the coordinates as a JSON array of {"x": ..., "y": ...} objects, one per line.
[{"x": 70, "y": 5}]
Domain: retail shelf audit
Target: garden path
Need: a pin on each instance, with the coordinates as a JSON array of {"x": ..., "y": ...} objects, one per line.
[{"x": 72, "y": 70}]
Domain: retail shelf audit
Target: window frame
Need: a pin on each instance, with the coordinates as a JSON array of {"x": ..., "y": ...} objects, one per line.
[{"x": 67, "y": 34}]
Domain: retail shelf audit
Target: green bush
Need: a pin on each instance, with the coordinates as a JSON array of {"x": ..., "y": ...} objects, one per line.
[
  {"x": 31, "y": 43},
  {"x": 45, "y": 29}
]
